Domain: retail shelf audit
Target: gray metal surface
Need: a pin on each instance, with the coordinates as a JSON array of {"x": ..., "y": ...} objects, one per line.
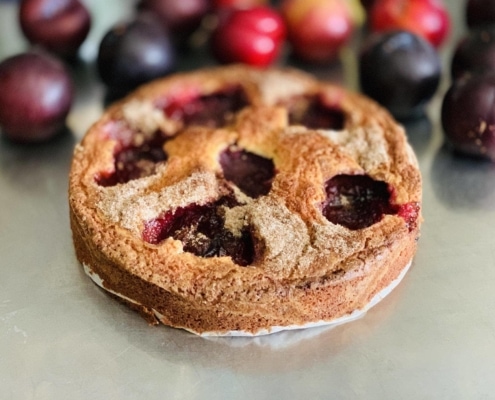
[{"x": 62, "y": 338}]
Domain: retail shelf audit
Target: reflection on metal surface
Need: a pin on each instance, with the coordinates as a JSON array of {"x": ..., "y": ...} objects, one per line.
[
  {"x": 432, "y": 338},
  {"x": 419, "y": 134},
  {"x": 462, "y": 182}
]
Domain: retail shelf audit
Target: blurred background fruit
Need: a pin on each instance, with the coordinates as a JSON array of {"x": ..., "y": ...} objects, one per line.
[
  {"x": 223, "y": 4},
  {"x": 135, "y": 52},
  {"x": 179, "y": 17},
  {"x": 475, "y": 52},
  {"x": 58, "y": 26},
  {"x": 253, "y": 36},
  {"x": 400, "y": 70},
  {"x": 427, "y": 18},
  {"x": 36, "y": 97},
  {"x": 468, "y": 115},
  {"x": 318, "y": 29},
  {"x": 480, "y": 12},
  {"x": 367, "y": 4}
]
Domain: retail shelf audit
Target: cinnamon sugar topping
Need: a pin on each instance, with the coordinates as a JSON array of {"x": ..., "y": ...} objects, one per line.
[
  {"x": 143, "y": 116},
  {"x": 131, "y": 204},
  {"x": 365, "y": 145}
]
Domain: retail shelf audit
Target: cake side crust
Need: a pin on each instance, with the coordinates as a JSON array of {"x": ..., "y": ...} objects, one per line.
[{"x": 358, "y": 313}]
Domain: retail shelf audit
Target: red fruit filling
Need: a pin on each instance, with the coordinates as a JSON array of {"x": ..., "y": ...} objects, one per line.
[
  {"x": 251, "y": 173},
  {"x": 358, "y": 201},
  {"x": 313, "y": 113},
  {"x": 410, "y": 213},
  {"x": 135, "y": 161},
  {"x": 201, "y": 230},
  {"x": 212, "y": 110}
]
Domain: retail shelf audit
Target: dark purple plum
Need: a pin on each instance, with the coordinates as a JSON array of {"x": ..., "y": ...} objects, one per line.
[
  {"x": 134, "y": 52},
  {"x": 35, "y": 97},
  {"x": 475, "y": 52},
  {"x": 201, "y": 230},
  {"x": 480, "y": 12},
  {"x": 181, "y": 18},
  {"x": 399, "y": 70},
  {"x": 60, "y": 26},
  {"x": 250, "y": 172},
  {"x": 468, "y": 115}
]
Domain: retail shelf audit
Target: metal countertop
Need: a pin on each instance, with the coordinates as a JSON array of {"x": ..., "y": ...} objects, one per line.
[{"x": 63, "y": 338}]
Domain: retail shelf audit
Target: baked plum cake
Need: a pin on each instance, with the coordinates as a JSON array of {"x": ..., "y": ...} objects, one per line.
[{"x": 238, "y": 201}]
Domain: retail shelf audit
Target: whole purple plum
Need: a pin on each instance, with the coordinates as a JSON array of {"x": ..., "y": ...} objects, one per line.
[
  {"x": 468, "y": 115},
  {"x": 36, "y": 97},
  {"x": 60, "y": 26}
]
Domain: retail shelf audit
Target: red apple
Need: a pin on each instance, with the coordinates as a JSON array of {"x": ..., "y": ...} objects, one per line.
[
  {"x": 427, "y": 18},
  {"x": 317, "y": 29},
  {"x": 252, "y": 36}
]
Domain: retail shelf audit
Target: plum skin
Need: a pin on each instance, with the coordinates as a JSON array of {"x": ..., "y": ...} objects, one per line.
[
  {"x": 180, "y": 17},
  {"x": 475, "y": 52},
  {"x": 399, "y": 70},
  {"x": 36, "y": 97},
  {"x": 58, "y": 26},
  {"x": 468, "y": 115},
  {"x": 134, "y": 52}
]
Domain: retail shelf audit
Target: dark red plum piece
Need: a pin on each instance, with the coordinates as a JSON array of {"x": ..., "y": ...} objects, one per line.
[
  {"x": 60, "y": 26},
  {"x": 313, "y": 113},
  {"x": 201, "y": 230},
  {"x": 250, "y": 172},
  {"x": 35, "y": 98},
  {"x": 475, "y": 52},
  {"x": 133, "y": 53},
  {"x": 399, "y": 70},
  {"x": 468, "y": 115},
  {"x": 133, "y": 162},
  {"x": 357, "y": 201},
  {"x": 211, "y": 110}
]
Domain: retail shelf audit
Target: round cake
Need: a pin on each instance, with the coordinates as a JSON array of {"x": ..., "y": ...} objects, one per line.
[{"x": 239, "y": 201}]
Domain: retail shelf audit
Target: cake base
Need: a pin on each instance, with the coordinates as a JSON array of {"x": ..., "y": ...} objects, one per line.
[{"x": 274, "y": 329}]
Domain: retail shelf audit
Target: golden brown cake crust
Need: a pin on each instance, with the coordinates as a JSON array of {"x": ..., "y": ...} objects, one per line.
[{"x": 306, "y": 269}]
